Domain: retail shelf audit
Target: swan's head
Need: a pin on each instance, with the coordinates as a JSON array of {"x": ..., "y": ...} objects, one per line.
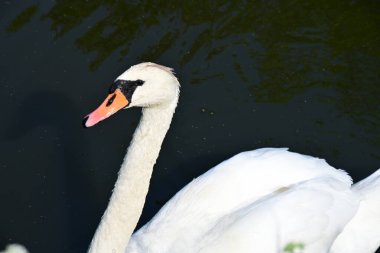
[{"x": 142, "y": 85}]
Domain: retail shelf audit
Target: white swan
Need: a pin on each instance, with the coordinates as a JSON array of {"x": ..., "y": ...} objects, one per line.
[{"x": 258, "y": 201}]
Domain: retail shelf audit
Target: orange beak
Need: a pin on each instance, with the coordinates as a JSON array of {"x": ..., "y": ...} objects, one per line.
[{"x": 113, "y": 103}]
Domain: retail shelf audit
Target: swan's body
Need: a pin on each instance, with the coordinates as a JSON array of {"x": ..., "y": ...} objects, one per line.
[
  {"x": 223, "y": 208},
  {"x": 306, "y": 214},
  {"x": 362, "y": 233},
  {"x": 257, "y": 201}
]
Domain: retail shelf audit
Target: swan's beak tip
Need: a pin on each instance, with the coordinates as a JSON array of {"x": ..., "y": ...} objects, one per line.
[
  {"x": 113, "y": 103},
  {"x": 84, "y": 122}
]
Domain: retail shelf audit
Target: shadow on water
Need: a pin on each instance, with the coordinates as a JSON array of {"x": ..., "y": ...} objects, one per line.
[{"x": 50, "y": 109}]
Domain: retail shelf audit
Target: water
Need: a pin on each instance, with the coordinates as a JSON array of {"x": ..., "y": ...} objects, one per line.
[{"x": 297, "y": 74}]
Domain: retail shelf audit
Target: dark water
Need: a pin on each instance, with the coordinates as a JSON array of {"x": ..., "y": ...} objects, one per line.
[{"x": 298, "y": 74}]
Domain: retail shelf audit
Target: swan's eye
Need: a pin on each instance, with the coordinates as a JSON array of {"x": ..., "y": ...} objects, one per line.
[
  {"x": 125, "y": 85},
  {"x": 139, "y": 82},
  {"x": 127, "y": 88},
  {"x": 110, "y": 101}
]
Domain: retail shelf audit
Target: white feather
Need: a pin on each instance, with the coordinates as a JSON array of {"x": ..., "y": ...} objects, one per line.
[
  {"x": 311, "y": 214},
  {"x": 15, "y": 248},
  {"x": 227, "y": 188},
  {"x": 362, "y": 233}
]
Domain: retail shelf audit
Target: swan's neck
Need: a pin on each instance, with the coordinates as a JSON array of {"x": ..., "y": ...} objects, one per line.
[{"x": 127, "y": 200}]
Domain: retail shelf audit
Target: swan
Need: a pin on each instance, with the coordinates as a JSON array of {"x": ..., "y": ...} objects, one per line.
[{"x": 265, "y": 200}]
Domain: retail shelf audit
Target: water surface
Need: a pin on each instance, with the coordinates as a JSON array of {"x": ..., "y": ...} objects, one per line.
[{"x": 297, "y": 74}]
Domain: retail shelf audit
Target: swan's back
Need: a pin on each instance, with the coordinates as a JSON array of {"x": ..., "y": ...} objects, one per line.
[
  {"x": 362, "y": 233},
  {"x": 228, "y": 187},
  {"x": 308, "y": 216}
]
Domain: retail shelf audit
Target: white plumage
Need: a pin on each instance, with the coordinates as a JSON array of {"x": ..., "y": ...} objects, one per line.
[
  {"x": 362, "y": 233},
  {"x": 252, "y": 198},
  {"x": 306, "y": 214},
  {"x": 15, "y": 248}
]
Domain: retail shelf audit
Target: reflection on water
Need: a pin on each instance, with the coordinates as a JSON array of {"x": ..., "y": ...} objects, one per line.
[
  {"x": 294, "y": 45},
  {"x": 342, "y": 27},
  {"x": 23, "y": 18}
]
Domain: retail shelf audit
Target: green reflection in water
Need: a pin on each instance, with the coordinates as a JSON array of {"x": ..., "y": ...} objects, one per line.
[
  {"x": 345, "y": 26},
  {"x": 126, "y": 21},
  {"x": 22, "y": 19},
  {"x": 294, "y": 45}
]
